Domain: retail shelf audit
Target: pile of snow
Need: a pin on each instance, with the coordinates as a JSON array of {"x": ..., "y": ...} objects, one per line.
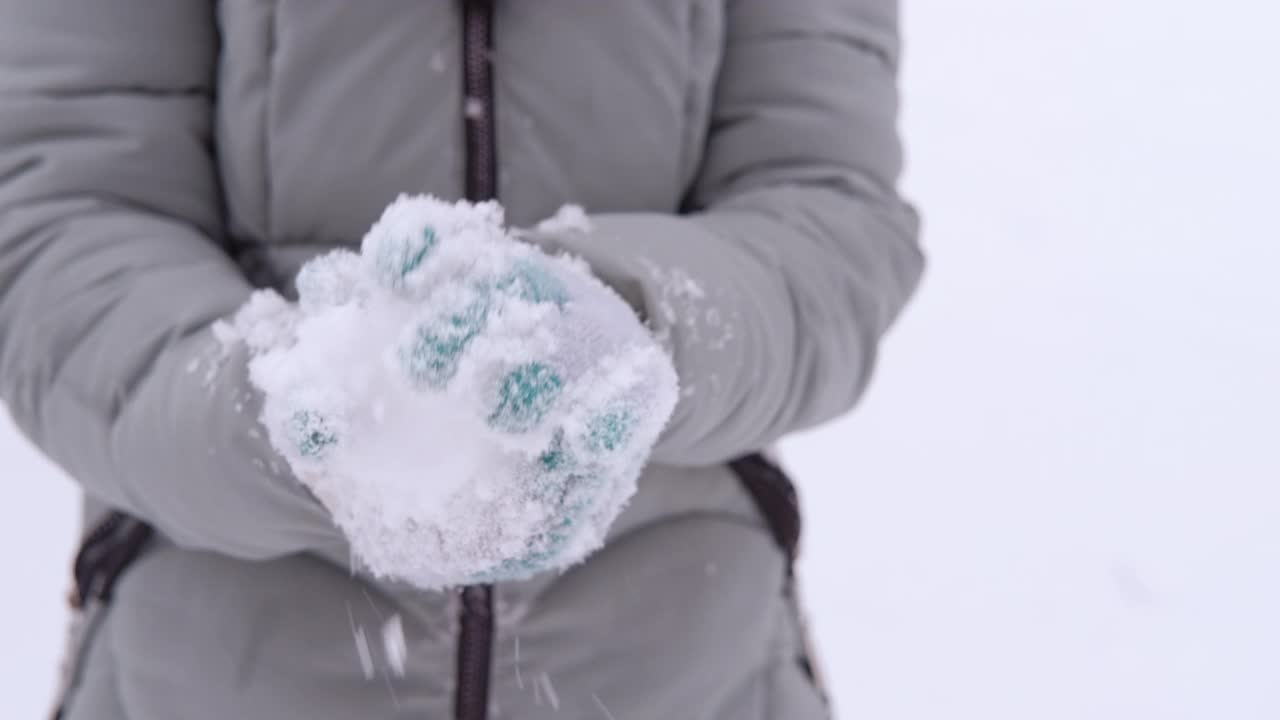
[{"x": 467, "y": 407}]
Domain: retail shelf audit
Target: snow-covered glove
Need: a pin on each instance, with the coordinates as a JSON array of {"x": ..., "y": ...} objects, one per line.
[{"x": 468, "y": 408}]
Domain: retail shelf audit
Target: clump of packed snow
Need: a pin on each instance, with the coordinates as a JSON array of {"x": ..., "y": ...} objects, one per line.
[
  {"x": 467, "y": 407},
  {"x": 569, "y": 218}
]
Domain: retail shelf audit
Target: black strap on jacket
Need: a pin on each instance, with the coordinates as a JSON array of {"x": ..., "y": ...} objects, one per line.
[
  {"x": 104, "y": 555},
  {"x": 776, "y": 499}
]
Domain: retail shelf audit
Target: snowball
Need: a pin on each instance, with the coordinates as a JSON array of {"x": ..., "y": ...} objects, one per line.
[{"x": 467, "y": 408}]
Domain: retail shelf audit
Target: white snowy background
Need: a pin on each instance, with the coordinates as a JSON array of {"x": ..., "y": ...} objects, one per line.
[{"x": 1060, "y": 499}]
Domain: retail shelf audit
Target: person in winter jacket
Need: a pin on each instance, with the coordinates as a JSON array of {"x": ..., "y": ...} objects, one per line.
[{"x": 161, "y": 159}]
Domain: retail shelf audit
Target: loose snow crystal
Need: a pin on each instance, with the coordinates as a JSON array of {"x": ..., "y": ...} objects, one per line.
[
  {"x": 362, "y": 645},
  {"x": 394, "y": 645},
  {"x": 467, "y": 407}
]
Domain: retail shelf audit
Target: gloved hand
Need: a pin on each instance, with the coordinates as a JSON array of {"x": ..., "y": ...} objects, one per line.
[{"x": 468, "y": 408}]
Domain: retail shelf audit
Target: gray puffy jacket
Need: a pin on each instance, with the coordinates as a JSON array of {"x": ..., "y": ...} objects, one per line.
[{"x": 158, "y": 158}]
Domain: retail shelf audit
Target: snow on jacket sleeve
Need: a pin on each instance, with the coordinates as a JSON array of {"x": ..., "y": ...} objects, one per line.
[
  {"x": 774, "y": 292},
  {"x": 111, "y": 275}
]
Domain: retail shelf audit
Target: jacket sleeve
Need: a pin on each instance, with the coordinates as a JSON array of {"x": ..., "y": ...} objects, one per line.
[
  {"x": 798, "y": 253},
  {"x": 111, "y": 275}
]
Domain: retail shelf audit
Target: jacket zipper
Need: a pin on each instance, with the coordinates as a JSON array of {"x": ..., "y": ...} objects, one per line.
[
  {"x": 478, "y": 105},
  {"x": 475, "y": 622},
  {"x": 475, "y": 651}
]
